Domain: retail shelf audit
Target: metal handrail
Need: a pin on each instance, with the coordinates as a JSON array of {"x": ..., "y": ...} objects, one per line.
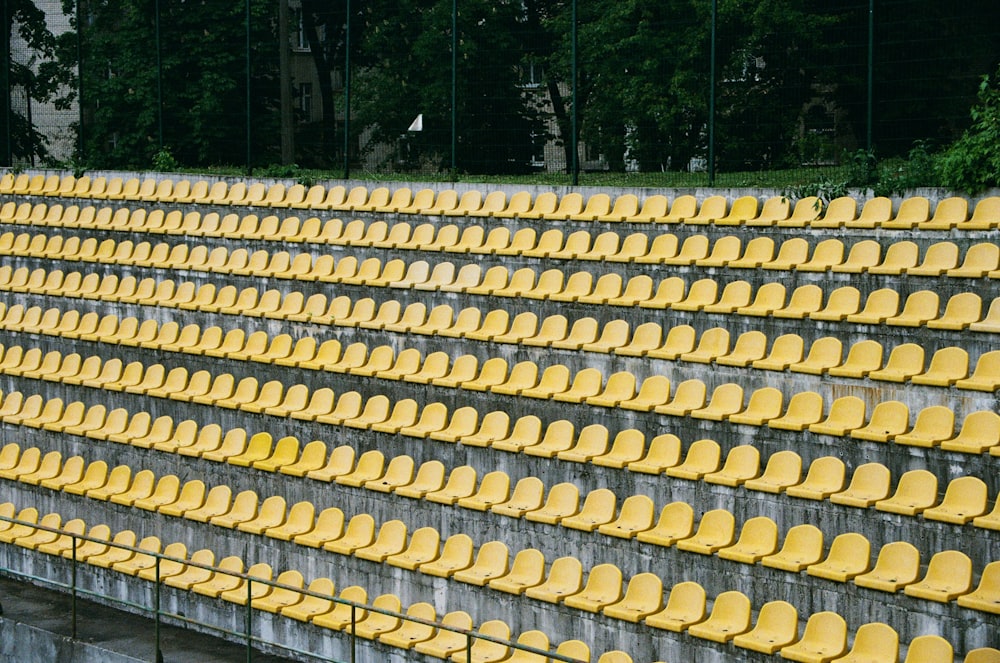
[{"x": 470, "y": 634}]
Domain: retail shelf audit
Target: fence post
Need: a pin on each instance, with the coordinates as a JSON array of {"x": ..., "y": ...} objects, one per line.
[
  {"x": 711, "y": 97},
  {"x": 347, "y": 93},
  {"x": 454, "y": 90},
  {"x": 354, "y": 637},
  {"x": 5, "y": 47},
  {"x": 159, "y": 77},
  {"x": 156, "y": 612},
  {"x": 249, "y": 135},
  {"x": 575, "y": 117},
  {"x": 468, "y": 647},
  {"x": 73, "y": 599},
  {"x": 249, "y": 620}
]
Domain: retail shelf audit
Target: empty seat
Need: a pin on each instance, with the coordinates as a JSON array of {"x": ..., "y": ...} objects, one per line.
[
  {"x": 825, "y": 477},
  {"x": 948, "y": 576},
  {"x": 824, "y": 639},
  {"x": 776, "y": 627},
  {"x": 964, "y": 499},
  {"x": 802, "y": 547},
  {"x": 869, "y": 484},
  {"x": 898, "y": 565},
  {"x": 716, "y": 530},
  {"x": 849, "y": 556},
  {"x": 676, "y": 523},
  {"x": 685, "y": 607},
  {"x": 986, "y": 596},
  {"x": 729, "y": 618},
  {"x": 889, "y": 418},
  {"x": 758, "y": 538}
]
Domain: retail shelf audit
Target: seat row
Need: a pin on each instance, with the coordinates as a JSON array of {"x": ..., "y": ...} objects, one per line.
[
  {"x": 883, "y": 306},
  {"x": 765, "y": 406},
  {"x": 948, "y": 366},
  {"x": 948, "y": 576},
  {"x": 285, "y": 594},
  {"x": 901, "y": 257},
  {"x": 745, "y": 210},
  {"x": 966, "y": 499},
  {"x": 776, "y": 628}
]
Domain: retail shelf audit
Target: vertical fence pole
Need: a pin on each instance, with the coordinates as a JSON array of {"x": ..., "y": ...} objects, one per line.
[
  {"x": 249, "y": 135},
  {"x": 156, "y": 613},
  {"x": 7, "y": 148},
  {"x": 347, "y": 93},
  {"x": 354, "y": 636},
  {"x": 454, "y": 89},
  {"x": 711, "y": 97},
  {"x": 871, "y": 75},
  {"x": 73, "y": 581},
  {"x": 249, "y": 620},
  {"x": 159, "y": 76},
  {"x": 575, "y": 117},
  {"x": 468, "y": 647},
  {"x": 79, "y": 77}
]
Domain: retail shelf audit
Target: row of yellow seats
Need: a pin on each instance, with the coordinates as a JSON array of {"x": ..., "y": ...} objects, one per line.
[
  {"x": 846, "y": 415},
  {"x": 848, "y": 557},
  {"x": 913, "y": 212},
  {"x": 738, "y": 297},
  {"x": 941, "y": 258},
  {"x": 948, "y": 366},
  {"x": 184, "y": 191},
  {"x": 765, "y": 406},
  {"x": 776, "y": 628},
  {"x": 948, "y": 576},
  {"x": 199, "y": 573},
  {"x": 965, "y": 499}
]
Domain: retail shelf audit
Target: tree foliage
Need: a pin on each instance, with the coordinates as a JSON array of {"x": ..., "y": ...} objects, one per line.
[
  {"x": 972, "y": 163},
  {"x": 36, "y": 73},
  {"x": 204, "y": 82}
]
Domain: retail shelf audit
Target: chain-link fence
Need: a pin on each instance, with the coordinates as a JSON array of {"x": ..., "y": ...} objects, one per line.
[{"x": 712, "y": 91}]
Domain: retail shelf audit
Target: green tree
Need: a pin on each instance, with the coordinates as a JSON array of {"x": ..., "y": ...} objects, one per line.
[
  {"x": 36, "y": 73},
  {"x": 204, "y": 90},
  {"x": 405, "y": 70}
]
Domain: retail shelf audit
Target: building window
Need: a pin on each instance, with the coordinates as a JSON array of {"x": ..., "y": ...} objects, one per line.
[{"x": 306, "y": 99}]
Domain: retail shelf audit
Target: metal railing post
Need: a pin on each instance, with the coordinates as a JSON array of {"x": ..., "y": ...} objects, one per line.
[
  {"x": 156, "y": 612},
  {"x": 249, "y": 620},
  {"x": 354, "y": 637},
  {"x": 73, "y": 600},
  {"x": 468, "y": 647}
]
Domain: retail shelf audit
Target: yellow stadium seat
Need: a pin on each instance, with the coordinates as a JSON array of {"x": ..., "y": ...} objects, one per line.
[
  {"x": 824, "y": 478},
  {"x": 776, "y": 627},
  {"x": 898, "y": 565},
  {"x": 786, "y": 350},
  {"x": 758, "y": 538},
  {"x": 803, "y": 546},
  {"x": 561, "y": 502},
  {"x": 664, "y": 452},
  {"x": 980, "y": 260},
  {"x": 869, "y": 484},
  {"x": 849, "y": 556},
  {"x": 783, "y": 469},
  {"x": 824, "y": 639},
  {"x": 915, "y": 492},
  {"x": 964, "y": 499},
  {"x": 985, "y": 596},
  {"x": 824, "y": 353},
  {"x": 948, "y": 576},
  {"x": 846, "y": 414},
  {"x": 685, "y": 607},
  {"x": 716, "y": 530},
  {"x": 729, "y": 618},
  {"x": 804, "y": 409}
]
